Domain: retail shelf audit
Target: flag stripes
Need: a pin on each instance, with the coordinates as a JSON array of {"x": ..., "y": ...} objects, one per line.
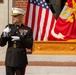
[{"x": 40, "y": 19}]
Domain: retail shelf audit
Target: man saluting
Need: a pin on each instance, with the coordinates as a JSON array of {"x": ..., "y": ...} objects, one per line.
[{"x": 19, "y": 38}]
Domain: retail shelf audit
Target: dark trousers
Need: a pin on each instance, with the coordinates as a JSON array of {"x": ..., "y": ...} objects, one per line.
[{"x": 15, "y": 70}]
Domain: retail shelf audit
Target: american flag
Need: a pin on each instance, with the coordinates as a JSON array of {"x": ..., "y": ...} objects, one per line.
[{"x": 40, "y": 18}]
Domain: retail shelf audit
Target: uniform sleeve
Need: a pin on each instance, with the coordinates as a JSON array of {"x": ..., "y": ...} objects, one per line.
[
  {"x": 3, "y": 40},
  {"x": 27, "y": 40}
]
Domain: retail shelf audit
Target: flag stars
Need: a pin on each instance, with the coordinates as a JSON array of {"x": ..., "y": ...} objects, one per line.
[
  {"x": 30, "y": 0},
  {"x": 38, "y": 3},
  {"x": 45, "y": 3},
  {"x": 42, "y": 5},
  {"x": 41, "y": 2},
  {"x": 34, "y": 1},
  {"x": 47, "y": 7}
]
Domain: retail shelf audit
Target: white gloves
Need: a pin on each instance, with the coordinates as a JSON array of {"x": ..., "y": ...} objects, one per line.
[
  {"x": 6, "y": 31},
  {"x": 14, "y": 38}
]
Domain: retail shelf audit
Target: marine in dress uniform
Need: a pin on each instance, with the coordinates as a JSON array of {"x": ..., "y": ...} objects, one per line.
[{"x": 19, "y": 37}]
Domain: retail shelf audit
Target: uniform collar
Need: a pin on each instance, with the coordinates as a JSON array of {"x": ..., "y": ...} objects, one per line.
[{"x": 19, "y": 25}]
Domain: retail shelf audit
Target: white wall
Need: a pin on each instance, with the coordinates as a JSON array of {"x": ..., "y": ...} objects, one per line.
[{"x": 5, "y": 18}]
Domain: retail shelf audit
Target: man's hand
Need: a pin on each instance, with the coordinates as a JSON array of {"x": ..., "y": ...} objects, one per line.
[
  {"x": 6, "y": 31},
  {"x": 28, "y": 51},
  {"x": 14, "y": 38}
]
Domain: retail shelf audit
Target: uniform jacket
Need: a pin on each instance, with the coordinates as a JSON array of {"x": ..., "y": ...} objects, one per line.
[{"x": 16, "y": 53}]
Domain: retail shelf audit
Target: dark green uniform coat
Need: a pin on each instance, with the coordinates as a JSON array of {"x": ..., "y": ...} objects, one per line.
[{"x": 16, "y": 53}]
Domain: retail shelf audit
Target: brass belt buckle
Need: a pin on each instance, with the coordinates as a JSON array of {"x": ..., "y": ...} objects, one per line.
[{"x": 14, "y": 45}]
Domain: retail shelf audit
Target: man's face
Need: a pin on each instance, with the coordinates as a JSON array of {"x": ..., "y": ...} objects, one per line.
[{"x": 17, "y": 19}]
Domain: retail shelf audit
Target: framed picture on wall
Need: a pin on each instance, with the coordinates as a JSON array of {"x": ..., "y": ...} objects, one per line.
[{"x": 1, "y": 1}]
